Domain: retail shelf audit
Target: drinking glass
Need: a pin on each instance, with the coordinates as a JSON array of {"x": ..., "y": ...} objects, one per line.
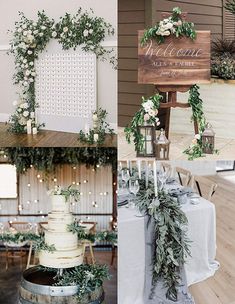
[
  {"x": 125, "y": 176},
  {"x": 134, "y": 187}
]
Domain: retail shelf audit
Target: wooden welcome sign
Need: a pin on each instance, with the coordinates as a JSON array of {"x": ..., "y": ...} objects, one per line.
[{"x": 176, "y": 61}]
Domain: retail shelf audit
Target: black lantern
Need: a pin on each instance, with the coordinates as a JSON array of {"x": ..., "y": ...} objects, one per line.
[
  {"x": 208, "y": 140},
  {"x": 162, "y": 147},
  {"x": 148, "y": 133}
]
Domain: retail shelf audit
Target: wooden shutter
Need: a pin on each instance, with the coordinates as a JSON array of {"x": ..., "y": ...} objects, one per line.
[{"x": 228, "y": 25}]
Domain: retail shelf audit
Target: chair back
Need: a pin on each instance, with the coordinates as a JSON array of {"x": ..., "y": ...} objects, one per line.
[
  {"x": 166, "y": 167},
  {"x": 93, "y": 228},
  {"x": 20, "y": 226},
  {"x": 183, "y": 175},
  {"x": 204, "y": 187}
]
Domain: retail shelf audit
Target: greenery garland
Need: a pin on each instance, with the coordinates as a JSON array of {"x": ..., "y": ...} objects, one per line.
[
  {"x": 107, "y": 236},
  {"x": 38, "y": 241},
  {"x": 102, "y": 129},
  {"x": 146, "y": 115},
  {"x": 174, "y": 25},
  {"x": 196, "y": 149},
  {"x": 171, "y": 245},
  {"x": 87, "y": 276},
  {"x": 30, "y": 38},
  {"x": 46, "y": 159}
]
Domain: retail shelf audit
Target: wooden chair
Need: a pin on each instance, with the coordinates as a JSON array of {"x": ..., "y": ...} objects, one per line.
[
  {"x": 184, "y": 176},
  {"x": 16, "y": 251},
  {"x": 204, "y": 187},
  {"x": 166, "y": 167},
  {"x": 89, "y": 244}
]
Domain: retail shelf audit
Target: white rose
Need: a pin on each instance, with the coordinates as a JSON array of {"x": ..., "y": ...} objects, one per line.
[
  {"x": 29, "y": 31},
  {"x": 32, "y": 114},
  {"x": 85, "y": 33},
  {"x": 169, "y": 25},
  {"x": 166, "y": 33},
  {"x": 27, "y": 72},
  {"x": 31, "y": 79},
  {"x": 90, "y": 31},
  {"x": 65, "y": 29},
  {"x": 40, "y": 34},
  {"x": 33, "y": 74},
  {"x": 35, "y": 32},
  {"x": 19, "y": 110},
  {"x": 26, "y": 65},
  {"x": 21, "y": 58},
  {"x": 22, "y": 121},
  {"x": 24, "y": 105},
  {"x": 22, "y": 65},
  {"x": 54, "y": 34},
  {"x": 62, "y": 35},
  {"x": 25, "y": 33},
  {"x": 31, "y": 63},
  {"x": 25, "y": 61},
  {"x": 26, "y": 113},
  {"x": 30, "y": 52},
  {"x": 24, "y": 26},
  {"x": 34, "y": 24},
  {"x": 43, "y": 27},
  {"x": 151, "y": 113},
  {"x": 25, "y": 83},
  {"x": 19, "y": 30}
]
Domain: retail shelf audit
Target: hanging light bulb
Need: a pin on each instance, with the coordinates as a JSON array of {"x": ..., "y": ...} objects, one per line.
[
  {"x": 85, "y": 181},
  {"x": 38, "y": 176},
  {"x": 89, "y": 192},
  {"x": 55, "y": 179},
  {"x": 77, "y": 183},
  {"x": 74, "y": 183},
  {"x": 29, "y": 185},
  {"x": 74, "y": 168},
  {"x": 36, "y": 201},
  {"x": 40, "y": 180},
  {"x": 28, "y": 202}
]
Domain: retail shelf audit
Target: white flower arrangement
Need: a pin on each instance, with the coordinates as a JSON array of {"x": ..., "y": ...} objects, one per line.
[{"x": 150, "y": 112}]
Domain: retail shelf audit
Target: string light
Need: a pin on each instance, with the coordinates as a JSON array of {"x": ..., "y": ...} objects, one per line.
[
  {"x": 31, "y": 166},
  {"x": 74, "y": 168},
  {"x": 98, "y": 166},
  {"x": 81, "y": 193},
  {"x": 28, "y": 202},
  {"x": 20, "y": 208},
  {"x": 40, "y": 180},
  {"x": 29, "y": 185},
  {"x": 74, "y": 183},
  {"x": 55, "y": 179},
  {"x": 36, "y": 201},
  {"x": 85, "y": 181},
  {"x": 89, "y": 192},
  {"x": 78, "y": 183},
  {"x": 38, "y": 176}
]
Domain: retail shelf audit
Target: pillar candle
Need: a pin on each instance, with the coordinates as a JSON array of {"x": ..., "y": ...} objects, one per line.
[
  {"x": 35, "y": 130},
  {"x": 155, "y": 177},
  {"x": 139, "y": 168},
  {"x": 29, "y": 126},
  {"x": 96, "y": 137}
]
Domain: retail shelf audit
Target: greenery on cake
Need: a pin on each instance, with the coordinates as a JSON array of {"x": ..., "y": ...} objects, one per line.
[
  {"x": 107, "y": 236},
  {"x": 66, "y": 192}
]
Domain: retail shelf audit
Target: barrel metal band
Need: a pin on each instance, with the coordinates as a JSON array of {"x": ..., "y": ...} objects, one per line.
[{"x": 98, "y": 301}]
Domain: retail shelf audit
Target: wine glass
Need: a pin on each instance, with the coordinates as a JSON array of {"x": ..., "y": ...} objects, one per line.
[
  {"x": 125, "y": 176},
  {"x": 134, "y": 187},
  {"x": 162, "y": 177}
]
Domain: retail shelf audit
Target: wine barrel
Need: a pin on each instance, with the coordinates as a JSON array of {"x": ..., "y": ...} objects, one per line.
[{"x": 37, "y": 288}]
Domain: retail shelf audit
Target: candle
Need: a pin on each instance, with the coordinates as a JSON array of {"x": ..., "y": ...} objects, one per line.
[
  {"x": 130, "y": 166},
  {"x": 35, "y": 130},
  {"x": 29, "y": 126},
  {"x": 139, "y": 168},
  {"x": 95, "y": 121},
  {"x": 146, "y": 174},
  {"x": 155, "y": 177},
  {"x": 96, "y": 137}
]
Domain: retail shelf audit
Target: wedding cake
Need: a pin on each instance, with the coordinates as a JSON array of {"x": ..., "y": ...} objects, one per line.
[{"x": 68, "y": 252}]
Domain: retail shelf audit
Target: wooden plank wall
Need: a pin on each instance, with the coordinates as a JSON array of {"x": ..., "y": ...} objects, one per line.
[
  {"x": 36, "y": 203},
  {"x": 131, "y": 18}
]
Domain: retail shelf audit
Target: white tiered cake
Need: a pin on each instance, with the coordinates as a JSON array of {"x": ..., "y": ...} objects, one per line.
[{"x": 68, "y": 252}]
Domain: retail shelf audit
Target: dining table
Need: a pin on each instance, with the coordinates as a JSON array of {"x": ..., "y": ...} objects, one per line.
[{"x": 135, "y": 253}]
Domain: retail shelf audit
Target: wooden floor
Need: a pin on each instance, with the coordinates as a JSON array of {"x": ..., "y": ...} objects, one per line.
[
  {"x": 220, "y": 289},
  {"x": 46, "y": 139},
  {"x": 10, "y": 279}
]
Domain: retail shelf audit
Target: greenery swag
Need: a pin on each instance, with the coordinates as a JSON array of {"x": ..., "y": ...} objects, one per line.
[
  {"x": 102, "y": 129},
  {"x": 30, "y": 38},
  {"x": 174, "y": 25},
  {"x": 146, "y": 115},
  {"x": 46, "y": 159},
  {"x": 171, "y": 245},
  {"x": 87, "y": 276},
  {"x": 152, "y": 104}
]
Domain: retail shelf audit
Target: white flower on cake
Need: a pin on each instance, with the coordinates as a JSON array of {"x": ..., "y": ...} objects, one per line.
[
  {"x": 26, "y": 113},
  {"x": 148, "y": 105},
  {"x": 54, "y": 34},
  {"x": 65, "y": 29}
]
